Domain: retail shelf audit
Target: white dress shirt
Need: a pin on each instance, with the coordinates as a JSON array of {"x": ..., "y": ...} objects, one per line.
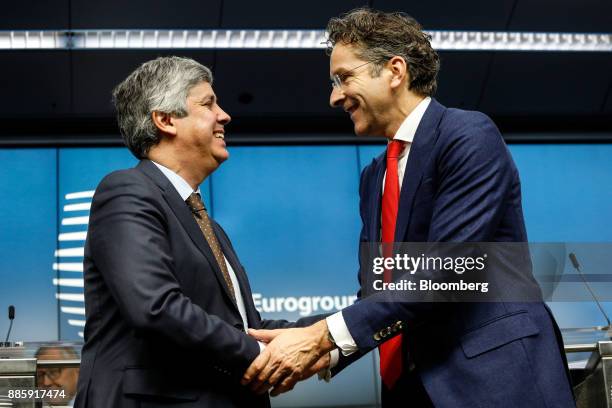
[
  {"x": 185, "y": 190},
  {"x": 335, "y": 323}
]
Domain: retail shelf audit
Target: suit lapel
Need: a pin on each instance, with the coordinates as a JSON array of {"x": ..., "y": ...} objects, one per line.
[
  {"x": 245, "y": 288},
  {"x": 183, "y": 214},
  {"x": 373, "y": 222},
  {"x": 376, "y": 197},
  {"x": 422, "y": 145}
]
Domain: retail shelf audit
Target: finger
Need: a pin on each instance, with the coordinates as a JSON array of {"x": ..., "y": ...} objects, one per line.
[
  {"x": 286, "y": 385},
  {"x": 280, "y": 374},
  {"x": 322, "y": 363},
  {"x": 265, "y": 336},
  {"x": 309, "y": 373},
  {"x": 281, "y": 389},
  {"x": 260, "y": 383},
  {"x": 263, "y": 388},
  {"x": 255, "y": 368}
]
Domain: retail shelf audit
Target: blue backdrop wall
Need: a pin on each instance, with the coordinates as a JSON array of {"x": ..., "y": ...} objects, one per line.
[{"x": 292, "y": 214}]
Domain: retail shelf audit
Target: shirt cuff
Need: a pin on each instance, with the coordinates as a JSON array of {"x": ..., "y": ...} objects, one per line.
[
  {"x": 334, "y": 356},
  {"x": 325, "y": 374},
  {"x": 262, "y": 346},
  {"x": 340, "y": 333}
]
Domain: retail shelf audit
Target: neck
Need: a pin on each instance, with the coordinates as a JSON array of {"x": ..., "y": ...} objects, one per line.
[
  {"x": 400, "y": 111},
  {"x": 183, "y": 165}
]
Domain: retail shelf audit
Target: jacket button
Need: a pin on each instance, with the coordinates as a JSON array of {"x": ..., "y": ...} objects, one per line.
[
  {"x": 377, "y": 336},
  {"x": 239, "y": 326}
]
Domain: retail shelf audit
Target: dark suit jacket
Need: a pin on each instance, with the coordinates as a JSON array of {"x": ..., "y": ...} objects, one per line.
[
  {"x": 460, "y": 185},
  {"x": 161, "y": 327}
]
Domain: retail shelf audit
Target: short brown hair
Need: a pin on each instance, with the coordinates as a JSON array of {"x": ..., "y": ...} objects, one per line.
[{"x": 379, "y": 36}]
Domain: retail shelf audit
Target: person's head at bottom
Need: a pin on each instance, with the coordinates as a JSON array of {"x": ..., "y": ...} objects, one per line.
[{"x": 62, "y": 379}]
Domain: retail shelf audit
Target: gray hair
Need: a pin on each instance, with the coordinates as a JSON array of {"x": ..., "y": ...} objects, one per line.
[
  {"x": 67, "y": 352},
  {"x": 379, "y": 36},
  {"x": 160, "y": 85}
]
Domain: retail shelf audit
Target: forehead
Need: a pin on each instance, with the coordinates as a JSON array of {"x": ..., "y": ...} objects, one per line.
[
  {"x": 343, "y": 58},
  {"x": 51, "y": 354},
  {"x": 201, "y": 91}
]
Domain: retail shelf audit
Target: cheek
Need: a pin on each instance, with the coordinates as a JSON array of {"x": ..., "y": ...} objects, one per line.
[{"x": 211, "y": 119}]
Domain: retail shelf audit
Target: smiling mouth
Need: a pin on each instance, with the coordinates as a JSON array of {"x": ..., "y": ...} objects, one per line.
[
  {"x": 219, "y": 135},
  {"x": 350, "y": 110}
]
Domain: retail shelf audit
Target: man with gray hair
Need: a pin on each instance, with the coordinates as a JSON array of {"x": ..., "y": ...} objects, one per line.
[
  {"x": 167, "y": 301},
  {"x": 60, "y": 379}
]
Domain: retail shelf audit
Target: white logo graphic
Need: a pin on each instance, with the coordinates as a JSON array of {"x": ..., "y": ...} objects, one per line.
[
  {"x": 69, "y": 257},
  {"x": 68, "y": 267}
]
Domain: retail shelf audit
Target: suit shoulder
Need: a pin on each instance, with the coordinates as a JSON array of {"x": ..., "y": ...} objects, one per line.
[
  {"x": 122, "y": 182},
  {"x": 461, "y": 126},
  {"x": 122, "y": 177},
  {"x": 459, "y": 119}
]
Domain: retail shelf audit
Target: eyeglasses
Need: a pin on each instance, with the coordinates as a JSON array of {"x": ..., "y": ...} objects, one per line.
[
  {"x": 51, "y": 373},
  {"x": 338, "y": 79}
]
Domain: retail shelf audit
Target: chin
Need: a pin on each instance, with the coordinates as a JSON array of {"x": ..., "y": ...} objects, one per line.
[
  {"x": 222, "y": 156},
  {"x": 360, "y": 130}
]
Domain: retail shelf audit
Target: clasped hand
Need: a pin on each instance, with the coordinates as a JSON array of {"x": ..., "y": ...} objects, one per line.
[{"x": 291, "y": 355}]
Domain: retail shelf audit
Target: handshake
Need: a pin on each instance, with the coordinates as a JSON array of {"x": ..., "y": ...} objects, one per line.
[{"x": 291, "y": 355}]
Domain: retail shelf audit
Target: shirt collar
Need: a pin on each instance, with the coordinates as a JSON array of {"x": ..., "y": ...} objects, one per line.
[
  {"x": 409, "y": 126},
  {"x": 179, "y": 183}
]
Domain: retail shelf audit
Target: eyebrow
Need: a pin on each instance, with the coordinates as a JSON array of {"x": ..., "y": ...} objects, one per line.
[
  {"x": 340, "y": 71},
  {"x": 207, "y": 98}
]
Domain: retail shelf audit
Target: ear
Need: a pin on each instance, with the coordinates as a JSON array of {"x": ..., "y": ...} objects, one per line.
[
  {"x": 164, "y": 122},
  {"x": 399, "y": 71}
]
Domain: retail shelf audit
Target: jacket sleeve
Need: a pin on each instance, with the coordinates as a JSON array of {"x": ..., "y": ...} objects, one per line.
[{"x": 130, "y": 247}]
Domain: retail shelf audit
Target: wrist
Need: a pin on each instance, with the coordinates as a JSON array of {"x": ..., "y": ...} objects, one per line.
[
  {"x": 327, "y": 357},
  {"x": 325, "y": 340}
]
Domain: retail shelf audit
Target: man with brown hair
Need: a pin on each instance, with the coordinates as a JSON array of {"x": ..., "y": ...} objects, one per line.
[{"x": 446, "y": 176}]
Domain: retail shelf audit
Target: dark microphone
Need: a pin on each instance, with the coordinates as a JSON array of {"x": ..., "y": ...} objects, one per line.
[
  {"x": 11, "y": 313},
  {"x": 572, "y": 258},
  {"x": 576, "y": 265}
]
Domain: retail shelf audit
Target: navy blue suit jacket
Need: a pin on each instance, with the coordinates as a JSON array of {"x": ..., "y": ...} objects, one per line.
[
  {"x": 162, "y": 329},
  {"x": 460, "y": 185}
]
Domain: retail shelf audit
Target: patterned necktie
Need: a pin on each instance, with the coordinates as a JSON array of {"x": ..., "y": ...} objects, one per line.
[
  {"x": 391, "y": 350},
  {"x": 201, "y": 216}
]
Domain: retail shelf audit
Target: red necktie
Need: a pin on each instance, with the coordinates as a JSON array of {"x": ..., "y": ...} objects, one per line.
[{"x": 391, "y": 350}]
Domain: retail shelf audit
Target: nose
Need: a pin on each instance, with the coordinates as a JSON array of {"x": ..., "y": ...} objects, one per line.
[
  {"x": 222, "y": 117},
  {"x": 336, "y": 97},
  {"x": 44, "y": 380}
]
